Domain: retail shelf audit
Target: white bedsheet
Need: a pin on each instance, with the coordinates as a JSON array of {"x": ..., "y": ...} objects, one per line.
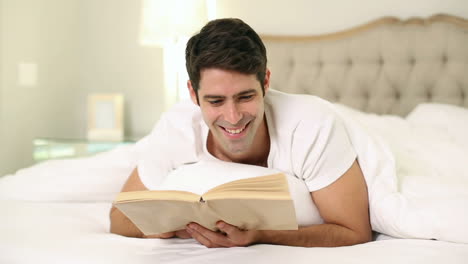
[
  {"x": 57, "y": 211},
  {"x": 32, "y": 232}
]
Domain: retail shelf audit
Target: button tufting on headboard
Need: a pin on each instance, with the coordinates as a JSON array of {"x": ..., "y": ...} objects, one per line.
[
  {"x": 429, "y": 96},
  {"x": 381, "y": 61},
  {"x": 444, "y": 59},
  {"x": 336, "y": 97},
  {"x": 397, "y": 95},
  {"x": 386, "y": 67}
]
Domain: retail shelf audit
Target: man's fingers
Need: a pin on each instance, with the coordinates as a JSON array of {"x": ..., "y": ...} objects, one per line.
[
  {"x": 208, "y": 237},
  {"x": 230, "y": 230},
  {"x": 201, "y": 238},
  {"x": 236, "y": 236}
]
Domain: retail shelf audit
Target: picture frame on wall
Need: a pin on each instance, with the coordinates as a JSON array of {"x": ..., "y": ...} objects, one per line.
[{"x": 105, "y": 117}]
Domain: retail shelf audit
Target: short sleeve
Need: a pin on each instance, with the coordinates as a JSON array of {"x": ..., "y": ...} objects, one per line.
[
  {"x": 152, "y": 165},
  {"x": 322, "y": 151},
  {"x": 171, "y": 144}
]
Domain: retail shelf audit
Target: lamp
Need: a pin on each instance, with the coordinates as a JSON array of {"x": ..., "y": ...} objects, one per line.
[{"x": 169, "y": 24}]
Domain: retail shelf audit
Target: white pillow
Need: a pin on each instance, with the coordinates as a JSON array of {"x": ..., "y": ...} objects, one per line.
[
  {"x": 204, "y": 175},
  {"x": 97, "y": 178},
  {"x": 448, "y": 120},
  {"x": 436, "y": 113}
]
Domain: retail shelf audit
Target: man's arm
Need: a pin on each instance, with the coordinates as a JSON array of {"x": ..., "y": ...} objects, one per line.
[
  {"x": 121, "y": 225},
  {"x": 343, "y": 205}
]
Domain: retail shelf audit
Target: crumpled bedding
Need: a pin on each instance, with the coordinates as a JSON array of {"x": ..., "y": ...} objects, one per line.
[
  {"x": 57, "y": 211},
  {"x": 77, "y": 232}
]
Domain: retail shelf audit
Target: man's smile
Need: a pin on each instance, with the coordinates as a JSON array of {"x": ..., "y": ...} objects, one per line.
[{"x": 235, "y": 132}]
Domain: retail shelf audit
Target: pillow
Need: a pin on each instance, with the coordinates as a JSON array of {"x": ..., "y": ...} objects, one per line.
[
  {"x": 450, "y": 120},
  {"x": 437, "y": 114},
  {"x": 201, "y": 176},
  {"x": 97, "y": 178}
]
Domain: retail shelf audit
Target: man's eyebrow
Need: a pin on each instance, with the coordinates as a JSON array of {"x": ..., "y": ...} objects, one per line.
[
  {"x": 246, "y": 92},
  {"x": 210, "y": 96}
]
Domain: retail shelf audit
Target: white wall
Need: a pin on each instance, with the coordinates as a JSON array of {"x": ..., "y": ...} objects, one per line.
[
  {"x": 114, "y": 61},
  {"x": 84, "y": 46},
  {"x": 42, "y": 32},
  {"x": 292, "y": 17},
  {"x": 80, "y": 47}
]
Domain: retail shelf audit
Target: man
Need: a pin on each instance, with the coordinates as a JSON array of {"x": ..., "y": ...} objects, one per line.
[{"x": 236, "y": 118}]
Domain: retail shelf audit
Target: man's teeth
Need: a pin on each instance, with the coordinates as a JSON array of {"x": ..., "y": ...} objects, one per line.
[{"x": 236, "y": 131}]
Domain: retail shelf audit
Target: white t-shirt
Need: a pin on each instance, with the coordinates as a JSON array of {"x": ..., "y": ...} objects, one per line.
[{"x": 308, "y": 140}]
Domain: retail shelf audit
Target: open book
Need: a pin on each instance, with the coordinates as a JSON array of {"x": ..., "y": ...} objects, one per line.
[{"x": 261, "y": 203}]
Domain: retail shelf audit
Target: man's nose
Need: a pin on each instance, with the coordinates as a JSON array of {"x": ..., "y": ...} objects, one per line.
[{"x": 232, "y": 113}]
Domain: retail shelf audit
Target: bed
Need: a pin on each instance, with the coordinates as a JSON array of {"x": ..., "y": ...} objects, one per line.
[{"x": 405, "y": 81}]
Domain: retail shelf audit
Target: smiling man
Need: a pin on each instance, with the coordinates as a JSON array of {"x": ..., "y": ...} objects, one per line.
[
  {"x": 235, "y": 117},
  {"x": 232, "y": 107}
]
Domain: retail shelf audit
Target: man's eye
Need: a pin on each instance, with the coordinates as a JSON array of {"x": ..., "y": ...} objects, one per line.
[
  {"x": 215, "y": 102},
  {"x": 246, "y": 97}
]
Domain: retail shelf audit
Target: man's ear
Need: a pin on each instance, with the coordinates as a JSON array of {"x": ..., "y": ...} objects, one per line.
[
  {"x": 266, "y": 83},
  {"x": 193, "y": 93}
]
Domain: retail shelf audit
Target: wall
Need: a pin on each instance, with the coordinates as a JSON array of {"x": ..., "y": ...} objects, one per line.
[
  {"x": 80, "y": 47},
  {"x": 294, "y": 17},
  {"x": 42, "y": 32},
  {"x": 114, "y": 61}
]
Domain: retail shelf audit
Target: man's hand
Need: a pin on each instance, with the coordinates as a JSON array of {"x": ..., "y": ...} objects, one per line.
[{"x": 230, "y": 236}]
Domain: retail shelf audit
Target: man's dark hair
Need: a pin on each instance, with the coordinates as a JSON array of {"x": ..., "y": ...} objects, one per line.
[{"x": 228, "y": 44}]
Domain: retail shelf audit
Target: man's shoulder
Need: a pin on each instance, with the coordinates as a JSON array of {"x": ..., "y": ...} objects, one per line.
[
  {"x": 185, "y": 107},
  {"x": 184, "y": 112},
  {"x": 183, "y": 117},
  {"x": 299, "y": 106}
]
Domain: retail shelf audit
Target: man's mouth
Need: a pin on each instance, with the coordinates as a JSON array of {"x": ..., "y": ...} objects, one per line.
[{"x": 235, "y": 131}]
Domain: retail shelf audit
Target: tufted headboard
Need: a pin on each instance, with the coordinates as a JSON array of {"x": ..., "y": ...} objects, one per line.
[{"x": 387, "y": 66}]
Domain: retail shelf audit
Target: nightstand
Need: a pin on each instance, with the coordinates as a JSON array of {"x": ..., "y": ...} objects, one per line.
[{"x": 54, "y": 148}]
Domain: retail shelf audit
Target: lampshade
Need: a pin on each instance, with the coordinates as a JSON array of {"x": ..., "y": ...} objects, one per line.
[{"x": 164, "y": 21}]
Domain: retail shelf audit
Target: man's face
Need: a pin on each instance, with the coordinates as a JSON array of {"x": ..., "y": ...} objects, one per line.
[{"x": 232, "y": 106}]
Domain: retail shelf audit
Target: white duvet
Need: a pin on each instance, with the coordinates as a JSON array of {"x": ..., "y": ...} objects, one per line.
[
  {"x": 56, "y": 211},
  {"x": 430, "y": 148},
  {"x": 49, "y": 232}
]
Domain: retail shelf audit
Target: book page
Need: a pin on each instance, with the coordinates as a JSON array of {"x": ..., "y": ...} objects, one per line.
[
  {"x": 256, "y": 214},
  {"x": 204, "y": 175},
  {"x": 273, "y": 186},
  {"x": 156, "y": 195},
  {"x": 159, "y": 216},
  {"x": 261, "y": 203}
]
